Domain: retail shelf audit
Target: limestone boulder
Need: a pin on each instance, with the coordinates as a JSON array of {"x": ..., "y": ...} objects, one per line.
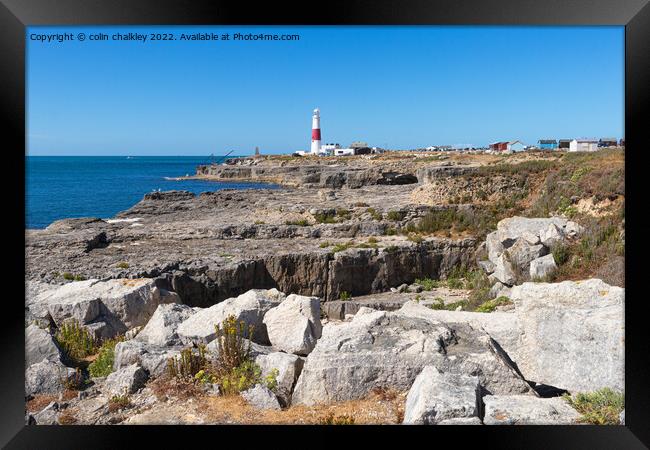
[
  {"x": 294, "y": 325},
  {"x": 106, "y": 307},
  {"x": 39, "y": 346},
  {"x": 504, "y": 270},
  {"x": 261, "y": 397},
  {"x": 249, "y": 307},
  {"x": 527, "y": 410},
  {"x": 389, "y": 349},
  {"x": 47, "y": 377},
  {"x": 512, "y": 228},
  {"x": 572, "y": 334},
  {"x": 542, "y": 267},
  {"x": 126, "y": 380},
  {"x": 161, "y": 328},
  {"x": 288, "y": 370},
  {"x": 436, "y": 396},
  {"x": 521, "y": 253},
  {"x": 152, "y": 358}
]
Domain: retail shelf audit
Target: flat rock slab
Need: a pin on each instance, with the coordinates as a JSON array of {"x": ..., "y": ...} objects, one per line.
[{"x": 527, "y": 410}]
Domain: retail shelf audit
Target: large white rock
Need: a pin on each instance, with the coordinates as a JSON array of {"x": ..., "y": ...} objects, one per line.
[
  {"x": 161, "y": 328},
  {"x": 152, "y": 358},
  {"x": 125, "y": 381},
  {"x": 572, "y": 334},
  {"x": 294, "y": 325},
  {"x": 108, "y": 307},
  {"x": 436, "y": 396},
  {"x": 542, "y": 267},
  {"x": 551, "y": 235},
  {"x": 504, "y": 270},
  {"x": 39, "y": 346},
  {"x": 261, "y": 397},
  {"x": 512, "y": 228},
  {"x": 288, "y": 367},
  {"x": 521, "y": 253},
  {"x": 249, "y": 307},
  {"x": 389, "y": 349},
  {"x": 46, "y": 377},
  {"x": 527, "y": 410}
]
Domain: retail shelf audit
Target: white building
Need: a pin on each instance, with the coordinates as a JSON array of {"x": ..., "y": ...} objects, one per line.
[
  {"x": 344, "y": 152},
  {"x": 583, "y": 145}
]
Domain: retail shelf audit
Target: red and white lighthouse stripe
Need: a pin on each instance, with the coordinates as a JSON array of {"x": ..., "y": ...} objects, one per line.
[{"x": 315, "y": 132}]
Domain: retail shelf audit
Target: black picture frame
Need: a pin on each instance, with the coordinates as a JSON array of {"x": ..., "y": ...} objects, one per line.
[{"x": 15, "y": 15}]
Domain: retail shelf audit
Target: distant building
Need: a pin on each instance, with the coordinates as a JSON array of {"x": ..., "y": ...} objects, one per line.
[
  {"x": 583, "y": 145},
  {"x": 564, "y": 144},
  {"x": 357, "y": 144},
  {"x": 379, "y": 150},
  {"x": 507, "y": 146},
  {"x": 547, "y": 144},
  {"x": 344, "y": 152},
  {"x": 439, "y": 148},
  {"x": 607, "y": 142},
  {"x": 257, "y": 151},
  {"x": 622, "y": 143}
]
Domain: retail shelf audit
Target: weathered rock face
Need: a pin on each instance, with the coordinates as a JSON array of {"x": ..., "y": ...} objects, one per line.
[
  {"x": 39, "y": 346},
  {"x": 294, "y": 325},
  {"x": 161, "y": 328},
  {"x": 436, "y": 396},
  {"x": 105, "y": 307},
  {"x": 527, "y": 410},
  {"x": 389, "y": 349},
  {"x": 249, "y": 307},
  {"x": 126, "y": 380},
  {"x": 288, "y": 369},
  {"x": 572, "y": 334},
  {"x": 261, "y": 397},
  {"x": 152, "y": 358},
  {"x": 520, "y": 241},
  {"x": 46, "y": 377}
]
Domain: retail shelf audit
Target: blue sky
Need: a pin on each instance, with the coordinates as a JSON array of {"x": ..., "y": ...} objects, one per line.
[{"x": 400, "y": 87}]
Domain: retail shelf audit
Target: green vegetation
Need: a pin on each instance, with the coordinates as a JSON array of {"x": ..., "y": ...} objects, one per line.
[
  {"x": 300, "y": 223},
  {"x": 118, "y": 402},
  {"x": 413, "y": 237},
  {"x": 438, "y": 303},
  {"x": 186, "y": 365},
  {"x": 427, "y": 283},
  {"x": 391, "y": 231},
  {"x": 344, "y": 295},
  {"x": 259, "y": 222},
  {"x": 396, "y": 215},
  {"x": 103, "y": 364},
  {"x": 601, "y": 407},
  {"x": 391, "y": 249},
  {"x": 271, "y": 380},
  {"x": 324, "y": 244},
  {"x": 372, "y": 240},
  {"x": 374, "y": 214},
  {"x": 325, "y": 218},
  {"x": 491, "y": 305},
  {"x": 71, "y": 277},
  {"x": 75, "y": 341},
  {"x": 360, "y": 204},
  {"x": 343, "y": 213},
  {"x": 343, "y": 246},
  {"x": 123, "y": 265}
]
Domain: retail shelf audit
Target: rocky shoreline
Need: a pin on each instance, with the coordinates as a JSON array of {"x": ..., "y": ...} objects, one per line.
[{"x": 371, "y": 289}]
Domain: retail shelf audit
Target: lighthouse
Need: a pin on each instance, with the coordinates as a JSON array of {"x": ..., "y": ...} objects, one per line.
[{"x": 315, "y": 132}]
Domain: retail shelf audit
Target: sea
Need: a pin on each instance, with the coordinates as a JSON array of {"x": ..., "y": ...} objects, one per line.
[{"x": 59, "y": 187}]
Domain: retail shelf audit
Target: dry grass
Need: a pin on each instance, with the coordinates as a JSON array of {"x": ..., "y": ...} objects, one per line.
[
  {"x": 67, "y": 417},
  {"x": 380, "y": 407},
  {"x": 166, "y": 387},
  {"x": 39, "y": 402}
]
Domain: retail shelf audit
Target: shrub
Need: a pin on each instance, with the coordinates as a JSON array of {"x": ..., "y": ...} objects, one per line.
[
  {"x": 300, "y": 223},
  {"x": 374, "y": 214},
  {"x": 391, "y": 231},
  {"x": 491, "y": 305},
  {"x": 186, "y": 365},
  {"x": 123, "y": 265},
  {"x": 601, "y": 407},
  {"x": 415, "y": 238},
  {"x": 259, "y": 222},
  {"x": 391, "y": 249},
  {"x": 232, "y": 345},
  {"x": 71, "y": 277},
  {"x": 325, "y": 218},
  {"x": 331, "y": 419},
  {"x": 344, "y": 295},
  {"x": 271, "y": 380},
  {"x": 372, "y": 240},
  {"x": 103, "y": 365},
  {"x": 117, "y": 402},
  {"x": 343, "y": 213},
  {"x": 75, "y": 341},
  {"x": 438, "y": 303},
  {"x": 395, "y": 215},
  {"x": 427, "y": 283},
  {"x": 341, "y": 247},
  {"x": 324, "y": 244},
  {"x": 239, "y": 378}
]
